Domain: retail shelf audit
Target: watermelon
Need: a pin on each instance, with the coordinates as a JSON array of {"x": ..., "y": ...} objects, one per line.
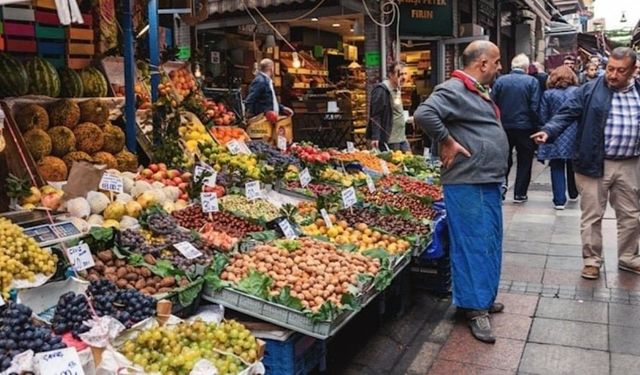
[
  {"x": 70, "y": 83},
  {"x": 43, "y": 77},
  {"x": 13, "y": 77},
  {"x": 93, "y": 83}
]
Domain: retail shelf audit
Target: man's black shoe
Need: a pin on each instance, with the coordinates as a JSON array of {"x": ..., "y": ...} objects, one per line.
[
  {"x": 481, "y": 327},
  {"x": 497, "y": 307},
  {"x": 520, "y": 199}
]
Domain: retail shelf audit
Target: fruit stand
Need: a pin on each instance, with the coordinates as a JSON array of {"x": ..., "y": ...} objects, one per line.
[{"x": 113, "y": 258}]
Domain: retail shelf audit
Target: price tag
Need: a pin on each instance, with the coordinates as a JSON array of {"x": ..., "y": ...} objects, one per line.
[
  {"x": 1, "y": 301},
  {"x": 305, "y": 177},
  {"x": 200, "y": 170},
  {"x": 384, "y": 167},
  {"x": 244, "y": 149},
  {"x": 209, "y": 202},
  {"x": 59, "y": 362},
  {"x": 282, "y": 143},
  {"x": 252, "y": 190},
  {"x": 187, "y": 250},
  {"x": 234, "y": 147},
  {"x": 326, "y": 218},
  {"x": 370, "y": 185},
  {"x": 80, "y": 257},
  {"x": 427, "y": 153},
  {"x": 111, "y": 182},
  {"x": 351, "y": 147},
  {"x": 349, "y": 197},
  {"x": 287, "y": 229}
]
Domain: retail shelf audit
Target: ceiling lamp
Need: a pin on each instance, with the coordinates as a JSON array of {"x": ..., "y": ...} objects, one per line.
[
  {"x": 270, "y": 41},
  {"x": 623, "y": 19},
  {"x": 354, "y": 65},
  {"x": 335, "y": 25},
  {"x": 357, "y": 28},
  {"x": 314, "y": 19}
]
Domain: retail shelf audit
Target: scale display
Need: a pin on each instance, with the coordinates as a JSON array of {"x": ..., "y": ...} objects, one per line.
[{"x": 50, "y": 234}]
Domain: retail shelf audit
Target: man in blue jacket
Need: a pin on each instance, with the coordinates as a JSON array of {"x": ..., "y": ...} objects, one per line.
[
  {"x": 262, "y": 95},
  {"x": 518, "y": 96},
  {"x": 606, "y": 159}
]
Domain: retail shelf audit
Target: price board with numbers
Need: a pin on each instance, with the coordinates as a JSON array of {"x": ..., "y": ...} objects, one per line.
[
  {"x": 252, "y": 190},
  {"x": 112, "y": 183},
  {"x": 349, "y": 197},
  {"x": 59, "y": 362},
  {"x": 234, "y": 147},
  {"x": 326, "y": 218},
  {"x": 209, "y": 202},
  {"x": 305, "y": 177},
  {"x": 351, "y": 147},
  {"x": 282, "y": 143},
  {"x": 370, "y": 185},
  {"x": 80, "y": 257},
  {"x": 187, "y": 250},
  {"x": 287, "y": 229}
]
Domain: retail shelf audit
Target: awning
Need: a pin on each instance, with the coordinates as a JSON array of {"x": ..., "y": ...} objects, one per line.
[{"x": 227, "y": 6}]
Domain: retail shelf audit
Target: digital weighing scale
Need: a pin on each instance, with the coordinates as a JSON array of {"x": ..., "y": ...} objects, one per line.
[{"x": 36, "y": 224}]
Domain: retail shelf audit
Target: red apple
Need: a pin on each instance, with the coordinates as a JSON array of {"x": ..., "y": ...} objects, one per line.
[
  {"x": 183, "y": 185},
  {"x": 146, "y": 173},
  {"x": 177, "y": 180},
  {"x": 162, "y": 166},
  {"x": 173, "y": 173},
  {"x": 186, "y": 176},
  {"x": 154, "y": 167},
  {"x": 158, "y": 176}
]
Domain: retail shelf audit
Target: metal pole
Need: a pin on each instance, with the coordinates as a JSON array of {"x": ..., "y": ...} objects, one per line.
[
  {"x": 154, "y": 48},
  {"x": 129, "y": 76},
  {"x": 383, "y": 43}
]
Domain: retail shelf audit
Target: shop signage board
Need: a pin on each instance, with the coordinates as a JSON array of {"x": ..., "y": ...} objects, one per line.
[
  {"x": 426, "y": 17},
  {"x": 372, "y": 59}
]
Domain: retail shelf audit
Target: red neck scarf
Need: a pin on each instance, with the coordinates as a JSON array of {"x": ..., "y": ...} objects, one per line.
[{"x": 476, "y": 88}]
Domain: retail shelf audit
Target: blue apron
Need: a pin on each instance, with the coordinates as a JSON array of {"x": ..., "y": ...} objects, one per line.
[{"x": 475, "y": 232}]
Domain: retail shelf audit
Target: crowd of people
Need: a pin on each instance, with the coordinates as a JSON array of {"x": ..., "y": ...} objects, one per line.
[{"x": 586, "y": 125}]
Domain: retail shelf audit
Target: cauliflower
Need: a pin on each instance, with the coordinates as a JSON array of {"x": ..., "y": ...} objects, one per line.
[
  {"x": 127, "y": 183},
  {"x": 171, "y": 192},
  {"x": 78, "y": 207},
  {"x": 159, "y": 196},
  {"x": 97, "y": 201},
  {"x": 95, "y": 220},
  {"x": 124, "y": 198},
  {"x": 140, "y": 187},
  {"x": 128, "y": 222}
]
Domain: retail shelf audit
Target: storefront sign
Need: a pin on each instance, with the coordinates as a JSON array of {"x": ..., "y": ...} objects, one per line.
[
  {"x": 372, "y": 59},
  {"x": 426, "y": 17},
  {"x": 264, "y": 29}
]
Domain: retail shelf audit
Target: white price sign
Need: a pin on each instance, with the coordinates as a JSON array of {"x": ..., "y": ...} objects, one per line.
[
  {"x": 384, "y": 167},
  {"x": 287, "y": 229},
  {"x": 59, "y": 362},
  {"x": 234, "y": 147},
  {"x": 326, "y": 218},
  {"x": 351, "y": 147},
  {"x": 200, "y": 170},
  {"x": 111, "y": 182},
  {"x": 80, "y": 257},
  {"x": 187, "y": 250},
  {"x": 370, "y": 185},
  {"x": 427, "y": 153},
  {"x": 244, "y": 149},
  {"x": 1, "y": 301},
  {"x": 282, "y": 143},
  {"x": 209, "y": 202},
  {"x": 349, "y": 197},
  {"x": 252, "y": 190},
  {"x": 305, "y": 177}
]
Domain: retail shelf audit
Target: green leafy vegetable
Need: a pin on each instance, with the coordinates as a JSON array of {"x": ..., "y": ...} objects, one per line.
[
  {"x": 285, "y": 298},
  {"x": 189, "y": 293},
  {"x": 289, "y": 245},
  {"x": 264, "y": 236},
  {"x": 163, "y": 268},
  {"x": 256, "y": 284}
]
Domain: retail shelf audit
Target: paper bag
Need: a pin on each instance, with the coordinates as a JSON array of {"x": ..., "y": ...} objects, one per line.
[{"x": 83, "y": 178}]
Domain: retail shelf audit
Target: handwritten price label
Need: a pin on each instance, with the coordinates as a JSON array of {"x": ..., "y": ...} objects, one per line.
[
  {"x": 305, "y": 177},
  {"x": 326, "y": 218},
  {"x": 427, "y": 153},
  {"x": 59, "y": 362},
  {"x": 349, "y": 197},
  {"x": 384, "y": 167},
  {"x": 187, "y": 250},
  {"x": 80, "y": 257},
  {"x": 209, "y": 202},
  {"x": 111, "y": 182},
  {"x": 351, "y": 147},
  {"x": 202, "y": 169},
  {"x": 282, "y": 143},
  {"x": 244, "y": 149},
  {"x": 252, "y": 190},
  {"x": 370, "y": 185},
  {"x": 234, "y": 147},
  {"x": 287, "y": 229}
]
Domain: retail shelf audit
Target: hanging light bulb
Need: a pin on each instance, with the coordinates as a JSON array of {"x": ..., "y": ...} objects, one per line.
[
  {"x": 296, "y": 60},
  {"x": 197, "y": 73}
]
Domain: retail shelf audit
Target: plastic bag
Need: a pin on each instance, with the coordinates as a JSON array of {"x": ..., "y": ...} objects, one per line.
[{"x": 439, "y": 245}]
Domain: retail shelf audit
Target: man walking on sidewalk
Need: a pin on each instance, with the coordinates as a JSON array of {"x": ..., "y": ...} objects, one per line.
[
  {"x": 461, "y": 117},
  {"x": 517, "y": 94},
  {"x": 606, "y": 159}
]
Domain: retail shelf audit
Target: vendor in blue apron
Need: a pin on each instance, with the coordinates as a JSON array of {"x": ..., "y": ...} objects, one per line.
[{"x": 465, "y": 123}]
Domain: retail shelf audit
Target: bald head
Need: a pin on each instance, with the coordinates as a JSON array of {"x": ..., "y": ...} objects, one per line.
[
  {"x": 481, "y": 60},
  {"x": 266, "y": 67}
]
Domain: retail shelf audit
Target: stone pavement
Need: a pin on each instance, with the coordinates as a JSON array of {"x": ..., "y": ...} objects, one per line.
[{"x": 555, "y": 322}]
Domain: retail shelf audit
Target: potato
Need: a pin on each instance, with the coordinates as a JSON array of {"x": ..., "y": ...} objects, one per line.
[
  {"x": 140, "y": 284},
  {"x": 149, "y": 290},
  {"x": 167, "y": 281},
  {"x": 122, "y": 283},
  {"x": 121, "y": 272},
  {"x": 164, "y": 290},
  {"x": 120, "y": 263},
  {"x": 110, "y": 271},
  {"x": 150, "y": 259},
  {"x": 105, "y": 256},
  {"x": 131, "y": 276}
]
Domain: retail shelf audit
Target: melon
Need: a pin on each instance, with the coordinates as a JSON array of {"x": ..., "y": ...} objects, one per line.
[
  {"x": 94, "y": 111},
  {"x": 93, "y": 83},
  {"x": 14, "y": 80},
  {"x": 89, "y": 138},
  {"x": 38, "y": 143},
  {"x": 31, "y": 116},
  {"x": 62, "y": 140},
  {"x": 43, "y": 77},
  {"x": 52, "y": 168},
  {"x": 70, "y": 83}
]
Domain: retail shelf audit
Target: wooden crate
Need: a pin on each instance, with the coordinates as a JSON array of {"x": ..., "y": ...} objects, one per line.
[
  {"x": 45, "y": 4},
  {"x": 19, "y": 37},
  {"x": 80, "y": 43}
]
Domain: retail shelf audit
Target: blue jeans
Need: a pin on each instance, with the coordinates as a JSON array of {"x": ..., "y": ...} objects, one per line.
[{"x": 559, "y": 184}]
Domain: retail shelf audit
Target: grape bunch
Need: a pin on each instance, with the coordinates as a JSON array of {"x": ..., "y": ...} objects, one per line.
[
  {"x": 178, "y": 236},
  {"x": 272, "y": 155},
  {"x": 71, "y": 311},
  {"x": 103, "y": 294},
  {"x": 136, "y": 306},
  {"x": 161, "y": 224},
  {"x": 18, "y": 333},
  {"x": 176, "y": 349},
  {"x": 132, "y": 238}
]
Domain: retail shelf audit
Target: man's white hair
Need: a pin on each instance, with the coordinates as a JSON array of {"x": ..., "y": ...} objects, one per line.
[{"x": 521, "y": 61}]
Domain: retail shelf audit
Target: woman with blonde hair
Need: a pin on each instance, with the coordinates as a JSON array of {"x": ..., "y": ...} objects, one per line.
[{"x": 560, "y": 85}]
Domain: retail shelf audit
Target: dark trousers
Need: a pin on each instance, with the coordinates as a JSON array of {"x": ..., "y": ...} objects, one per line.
[
  {"x": 525, "y": 150},
  {"x": 559, "y": 184}
]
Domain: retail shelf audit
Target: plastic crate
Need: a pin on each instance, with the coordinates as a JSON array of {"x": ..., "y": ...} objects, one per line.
[
  {"x": 433, "y": 276},
  {"x": 298, "y": 355}
]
